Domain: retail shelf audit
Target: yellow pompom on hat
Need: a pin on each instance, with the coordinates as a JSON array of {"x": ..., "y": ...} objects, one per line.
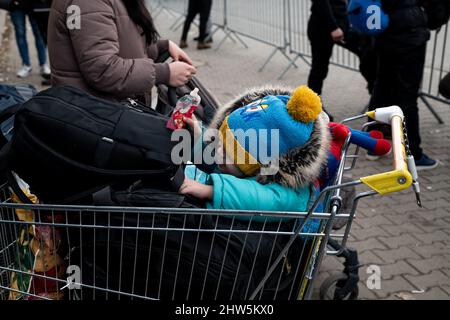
[{"x": 305, "y": 105}]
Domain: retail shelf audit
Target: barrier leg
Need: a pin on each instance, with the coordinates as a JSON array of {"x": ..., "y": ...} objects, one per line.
[
  {"x": 430, "y": 107},
  {"x": 181, "y": 23},
  {"x": 215, "y": 30},
  {"x": 282, "y": 50},
  {"x": 158, "y": 10},
  {"x": 293, "y": 61},
  {"x": 176, "y": 23},
  {"x": 228, "y": 35},
  {"x": 268, "y": 59},
  {"x": 287, "y": 57},
  {"x": 239, "y": 39}
]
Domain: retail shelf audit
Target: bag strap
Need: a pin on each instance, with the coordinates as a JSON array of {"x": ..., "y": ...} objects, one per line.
[
  {"x": 9, "y": 112},
  {"x": 102, "y": 197},
  {"x": 79, "y": 196},
  {"x": 5, "y": 115},
  {"x": 177, "y": 180}
]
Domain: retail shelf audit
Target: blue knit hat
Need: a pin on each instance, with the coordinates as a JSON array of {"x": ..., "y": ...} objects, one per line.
[{"x": 282, "y": 121}]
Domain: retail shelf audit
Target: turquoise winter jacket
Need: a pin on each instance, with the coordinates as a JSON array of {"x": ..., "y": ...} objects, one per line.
[
  {"x": 235, "y": 193},
  {"x": 232, "y": 193}
]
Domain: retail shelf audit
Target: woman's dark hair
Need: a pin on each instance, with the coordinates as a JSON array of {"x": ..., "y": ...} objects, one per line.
[{"x": 139, "y": 14}]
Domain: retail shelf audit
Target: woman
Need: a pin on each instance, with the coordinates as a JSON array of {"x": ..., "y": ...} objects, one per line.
[{"x": 108, "y": 48}]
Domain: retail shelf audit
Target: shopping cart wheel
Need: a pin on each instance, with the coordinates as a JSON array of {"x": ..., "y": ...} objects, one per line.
[{"x": 333, "y": 288}]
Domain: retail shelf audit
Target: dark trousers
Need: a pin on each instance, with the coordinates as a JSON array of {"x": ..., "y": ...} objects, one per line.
[
  {"x": 322, "y": 48},
  {"x": 398, "y": 82},
  {"x": 41, "y": 17},
  {"x": 202, "y": 7},
  {"x": 42, "y": 22}
]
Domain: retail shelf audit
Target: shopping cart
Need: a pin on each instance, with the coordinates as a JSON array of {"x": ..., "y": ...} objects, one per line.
[{"x": 87, "y": 252}]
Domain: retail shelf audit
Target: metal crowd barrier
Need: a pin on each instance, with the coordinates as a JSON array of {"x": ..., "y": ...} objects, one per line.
[
  {"x": 282, "y": 24},
  {"x": 437, "y": 65},
  {"x": 262, "y": 20}
]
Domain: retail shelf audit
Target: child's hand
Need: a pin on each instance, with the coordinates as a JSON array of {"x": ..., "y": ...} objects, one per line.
[
  {"x": 196, "y": 189},
  {"x": 194, "y": 124}
]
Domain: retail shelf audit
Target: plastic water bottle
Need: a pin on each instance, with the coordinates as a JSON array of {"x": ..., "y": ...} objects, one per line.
[
  {"x": 185, "y": 102},
  {"x": 185, "y": 107}
]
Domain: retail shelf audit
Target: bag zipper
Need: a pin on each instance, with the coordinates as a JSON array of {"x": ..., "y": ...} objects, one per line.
[{"x": 133, "y": 105}]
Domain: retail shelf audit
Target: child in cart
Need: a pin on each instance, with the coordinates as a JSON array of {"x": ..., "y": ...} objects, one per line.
[
  {"x": 308, "y": 155},
  {"x": 278, "y": 180}
]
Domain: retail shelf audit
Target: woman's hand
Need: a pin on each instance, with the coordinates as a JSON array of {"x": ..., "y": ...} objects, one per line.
[
  {"x": 196, "y": 189},
  {"x": 178, "y": 54},
  {"x": 180, "y": 73},
  {"x": 195, "y": 126}
]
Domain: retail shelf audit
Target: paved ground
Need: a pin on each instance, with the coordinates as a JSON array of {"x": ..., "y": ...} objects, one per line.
[{"x": 410, "y": 245}]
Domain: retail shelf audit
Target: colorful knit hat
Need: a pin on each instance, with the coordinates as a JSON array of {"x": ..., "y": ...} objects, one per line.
[{"x": 284, "y": 121}]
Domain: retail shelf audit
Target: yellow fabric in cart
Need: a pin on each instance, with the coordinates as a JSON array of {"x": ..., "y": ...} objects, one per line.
[{"x": 36, "y": 252}]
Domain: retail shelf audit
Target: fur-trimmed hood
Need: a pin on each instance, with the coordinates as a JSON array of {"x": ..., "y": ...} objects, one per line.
[{"x": 300, "y": 166}]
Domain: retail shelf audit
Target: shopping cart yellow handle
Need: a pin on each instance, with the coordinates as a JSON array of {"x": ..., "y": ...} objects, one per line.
[{"x": 399, "y": 178}]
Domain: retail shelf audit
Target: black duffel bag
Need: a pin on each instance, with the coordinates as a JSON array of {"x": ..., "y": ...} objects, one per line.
[
  {"x": 68, "y": 144},
  {"x": 178, "y": 255}
]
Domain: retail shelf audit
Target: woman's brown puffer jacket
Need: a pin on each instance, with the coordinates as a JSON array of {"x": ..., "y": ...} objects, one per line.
[{"x": 107, "y": 55}]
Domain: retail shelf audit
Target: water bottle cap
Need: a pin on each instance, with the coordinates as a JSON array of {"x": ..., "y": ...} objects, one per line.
[{"x": 194, "y": 93}]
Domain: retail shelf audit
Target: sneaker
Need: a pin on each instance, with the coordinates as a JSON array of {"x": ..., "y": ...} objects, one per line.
[
  {"x": 203, "y": 45},
  {"x": 183, "y": 44},
  {"x": 426, "y": 163},
  {"x": 45, "y": 70},
  {"x": 24, "y": 72}
]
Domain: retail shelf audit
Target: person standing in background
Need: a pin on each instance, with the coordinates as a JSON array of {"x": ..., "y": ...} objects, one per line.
[
  {"x": 328, "y": 25},
  {"x": 401, "y": 51},
  {"x": 20, "y": 10},
  {"x": 202, "y": 7},
  {"x": 41, "y": 13}
]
